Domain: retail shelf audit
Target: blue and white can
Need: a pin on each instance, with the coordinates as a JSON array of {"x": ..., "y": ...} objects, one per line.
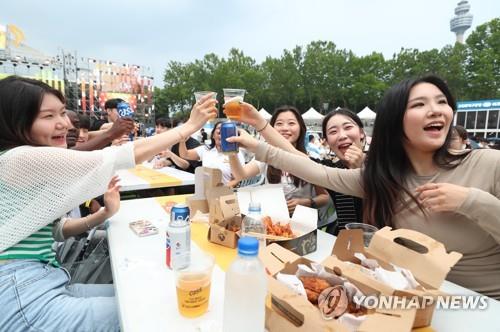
[
  {"x": 178, "y": 245},
  {"x": 228, "y": 129}
]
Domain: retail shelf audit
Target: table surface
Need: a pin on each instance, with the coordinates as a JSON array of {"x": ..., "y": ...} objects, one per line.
[
  {"x": 145, "y": 287},
  {"x": 145, "y": 177}
]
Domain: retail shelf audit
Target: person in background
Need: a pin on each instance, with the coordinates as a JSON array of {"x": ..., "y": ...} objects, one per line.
[
  {"x": 111, "y": 109},
  {"x": 40, "y": 181},
  {"x": 211, "y": 155},
  {"x": 98, "y": 139},
  {"x": 290, "y": 125},
  {"x": 412, "y": 180},
  {"x": 170, "y": 157},
  {"x": 459, "y": 138},
  {"x": 204, "y": 135},
  {"x": 83, "y": 134},
  {"x": 312, "y": 148}
]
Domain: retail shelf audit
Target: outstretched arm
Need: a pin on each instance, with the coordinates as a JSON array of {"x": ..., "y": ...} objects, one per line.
[
  {"x": 240, "y": 171},
  {"x": 202, "y": 111},
  {"x": 184, "y": 153},
  {"x": 346, "y": 181}
]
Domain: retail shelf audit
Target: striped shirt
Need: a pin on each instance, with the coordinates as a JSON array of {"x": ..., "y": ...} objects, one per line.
[
  {"x": 349, "y": 208},
  {"x": 36, "y": 246}
]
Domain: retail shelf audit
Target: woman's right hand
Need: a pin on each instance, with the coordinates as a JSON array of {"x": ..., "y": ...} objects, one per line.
[
  {"x": 251, "y": 116},
  {"x": 245, "y": 140},
  {"x": 203, "y": 111}
]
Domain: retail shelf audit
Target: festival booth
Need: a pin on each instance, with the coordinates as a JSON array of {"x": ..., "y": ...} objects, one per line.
[
  {"x": 313, "y": 119},
  {"x": 265, "y": 114},
  {"x": 367, "y": 116}
]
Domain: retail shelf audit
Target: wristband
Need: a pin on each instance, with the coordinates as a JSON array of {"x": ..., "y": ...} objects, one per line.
[
  {"x": 259, "y": 130},
  {"x": 87, "y": 224},
  {"x": 313, "y": 203}
]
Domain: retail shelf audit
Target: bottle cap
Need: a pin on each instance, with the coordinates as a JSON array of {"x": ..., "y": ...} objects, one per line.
[{"x": 248, "y": 246}]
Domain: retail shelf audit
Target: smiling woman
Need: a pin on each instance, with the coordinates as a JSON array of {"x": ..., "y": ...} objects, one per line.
[
  {"x": 412, "y": 180},
  {"x": 40, "y": 181},
  {"x": 51, "y": 124}
]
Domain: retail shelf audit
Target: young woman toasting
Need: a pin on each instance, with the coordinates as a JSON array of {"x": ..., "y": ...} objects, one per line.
[{"x": 411, "y": 179}]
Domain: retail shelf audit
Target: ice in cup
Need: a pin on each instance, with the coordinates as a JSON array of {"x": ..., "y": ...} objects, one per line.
[
  {"x": 199, "y": 94},
  {"x": 232, "y": 100},
  {"x": 368, "y": 231},
  {"x": 193, "y": 285}
]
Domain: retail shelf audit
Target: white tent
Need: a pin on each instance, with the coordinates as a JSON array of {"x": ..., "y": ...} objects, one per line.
[
  {"x": 367, "y": 114},
  {"x": 265, "y": 114},
  {"x": 312, "y": 114}
]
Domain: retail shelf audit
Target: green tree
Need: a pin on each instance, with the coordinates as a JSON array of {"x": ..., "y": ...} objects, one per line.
[{"x": 483, "y": 66}]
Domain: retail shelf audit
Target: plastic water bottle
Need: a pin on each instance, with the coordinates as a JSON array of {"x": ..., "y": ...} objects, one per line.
[
  {"x": 253, "y": 223},
  {"x": 245, "y": 290}
]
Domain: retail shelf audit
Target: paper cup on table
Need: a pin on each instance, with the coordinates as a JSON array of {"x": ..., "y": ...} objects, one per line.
[
  {"x": 368, "y": 231},
  {"x": 193, "y": 285}
]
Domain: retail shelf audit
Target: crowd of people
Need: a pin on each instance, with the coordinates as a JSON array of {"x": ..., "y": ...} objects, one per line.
[{"x": 418, "y": 173}]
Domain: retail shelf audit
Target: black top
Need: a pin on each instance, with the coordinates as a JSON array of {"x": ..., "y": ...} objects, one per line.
[
  {"x": 349, "y": 208},
  {"x": 191, "y": 143}
]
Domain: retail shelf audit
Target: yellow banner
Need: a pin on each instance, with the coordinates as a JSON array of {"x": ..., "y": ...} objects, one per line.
[
  {"x": 154, "y": 178},
  {"x": 3, "y": 37},
  {"x": 223, "y": 255}
]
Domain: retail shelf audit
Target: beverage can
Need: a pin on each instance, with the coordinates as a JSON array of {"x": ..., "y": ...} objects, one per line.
[
  {"x": 178, "y": 243},
  {"x": 228, "y": 129},
  {"x": 124, "y": 110}
]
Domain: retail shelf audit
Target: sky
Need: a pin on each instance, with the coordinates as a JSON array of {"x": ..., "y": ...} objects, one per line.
[{"x": 154, "y": 32}]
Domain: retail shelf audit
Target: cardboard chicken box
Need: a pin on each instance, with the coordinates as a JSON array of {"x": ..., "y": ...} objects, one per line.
[
  {"x": 220, "y": 203},
  {"x": 425, "y": 257},
  {"x": 292, "y": 312},
  {"x": 273, "y": 204}
]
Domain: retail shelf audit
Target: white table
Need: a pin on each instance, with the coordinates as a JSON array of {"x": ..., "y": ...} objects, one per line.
[
  {"x": 131, "y": 182},
  {"x": 146, "y": 293}
]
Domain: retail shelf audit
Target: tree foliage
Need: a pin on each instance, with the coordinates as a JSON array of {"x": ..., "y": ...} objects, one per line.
[{"x": 321, "y": 74}]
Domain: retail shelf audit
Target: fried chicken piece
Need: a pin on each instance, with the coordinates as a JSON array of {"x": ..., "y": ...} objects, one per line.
[
  {"x": 312, "y": 296},
  {"x": 277, "y": 229},
  {"x": 314, "y": 284}
]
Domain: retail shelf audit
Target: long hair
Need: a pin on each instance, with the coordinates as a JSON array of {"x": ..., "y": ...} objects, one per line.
[
  {"x": 212, "y": 141},
  {"x": 387, "y": 164},
  {"x": 20, "y": 102},
  {"x": 273, "y": 174}
]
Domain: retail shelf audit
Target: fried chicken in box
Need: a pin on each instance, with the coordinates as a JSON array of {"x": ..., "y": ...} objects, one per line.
[
  {"x": 332, "y": 300},
  {"x": 277, "y": 229}
]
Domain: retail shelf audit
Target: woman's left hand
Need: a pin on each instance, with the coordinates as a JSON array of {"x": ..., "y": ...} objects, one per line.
[
  {"x": 442, "y": 197},
  {"x": 112, "y": 197},
  {"x": 293, "y": 202}
]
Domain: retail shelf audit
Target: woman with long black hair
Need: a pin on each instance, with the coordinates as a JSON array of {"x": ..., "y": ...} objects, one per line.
[{"x": 412, "y": 180}]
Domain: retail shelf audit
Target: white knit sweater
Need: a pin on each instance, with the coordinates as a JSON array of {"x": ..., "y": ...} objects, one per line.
[{"x": 41, "y": 184}]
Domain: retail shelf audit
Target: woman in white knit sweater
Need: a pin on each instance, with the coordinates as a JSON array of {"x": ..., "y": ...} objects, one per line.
[{"x": 40, "y": 182}]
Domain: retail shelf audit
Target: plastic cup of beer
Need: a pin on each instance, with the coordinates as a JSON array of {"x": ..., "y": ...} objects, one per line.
[
  {"x": 199, "y": 94},
  {"x": 232, "y": 100},
  {"x": 368, "y": 231},
  {"x": 193, "y": 285}
]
